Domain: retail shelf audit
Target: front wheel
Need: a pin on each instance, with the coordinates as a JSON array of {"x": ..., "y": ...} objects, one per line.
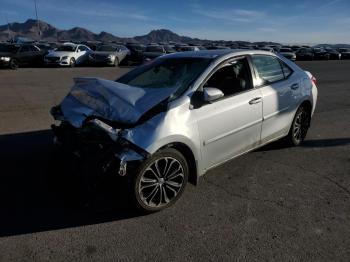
[
  {"x": 116, "y": 62},
  {"x": 72, "y": 62},
  {"x": 161, "y": 180},
  {"x": 299, "y": 128},
  {"x": 13, "y": 64}
]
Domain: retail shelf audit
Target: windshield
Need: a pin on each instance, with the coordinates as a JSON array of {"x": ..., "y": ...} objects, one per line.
[
  {"x": 154, "y": 49},
  {"x": 166, "y": 73},
  {"x": 8, "y": 48},
  {"x": 106, "y": 48},
  {"x": 66, "y": 48}
]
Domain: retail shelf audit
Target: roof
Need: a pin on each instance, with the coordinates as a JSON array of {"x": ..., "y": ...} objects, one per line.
[{"x": 216, "y": 53}]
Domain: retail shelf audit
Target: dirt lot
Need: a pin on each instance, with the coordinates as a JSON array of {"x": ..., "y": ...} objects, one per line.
[{"x": 274, "y": 204}]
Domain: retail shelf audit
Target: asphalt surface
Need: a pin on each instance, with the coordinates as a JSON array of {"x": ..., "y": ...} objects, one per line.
[{"x": 273, "y": 204}]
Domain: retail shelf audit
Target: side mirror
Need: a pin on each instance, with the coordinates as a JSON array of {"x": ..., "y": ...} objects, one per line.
[{"x": 211, "y": 94}]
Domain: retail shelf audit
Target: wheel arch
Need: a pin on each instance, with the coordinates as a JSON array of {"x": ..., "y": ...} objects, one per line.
[
  {"x": 187, "y": 152},
  {"x": 308, "y": 106}
]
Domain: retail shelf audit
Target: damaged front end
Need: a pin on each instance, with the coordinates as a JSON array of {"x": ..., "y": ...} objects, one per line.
[
  {"x": 97, "y": 147},
  {"x": 96, "y": 114}
]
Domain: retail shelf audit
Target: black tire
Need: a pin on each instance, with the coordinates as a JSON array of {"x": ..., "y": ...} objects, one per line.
[
  {"x": 299, "y": 127},
  {"x": 13, "y": 64},
  {"x": 116, "y": 62},
  {"x": 164, "y": 190},
  {"x": 72, "y": 62}
]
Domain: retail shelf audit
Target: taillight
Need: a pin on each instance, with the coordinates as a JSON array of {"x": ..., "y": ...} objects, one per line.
[{"x": 314, "y": 80}]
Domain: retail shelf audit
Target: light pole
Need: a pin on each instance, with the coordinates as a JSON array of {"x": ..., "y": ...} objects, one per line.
[
  {"x": 37, "y": 20},
  {"x": 8, "y": 26}
]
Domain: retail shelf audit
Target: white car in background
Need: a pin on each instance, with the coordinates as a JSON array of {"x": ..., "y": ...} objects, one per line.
[{"x": 68, "y": 54}]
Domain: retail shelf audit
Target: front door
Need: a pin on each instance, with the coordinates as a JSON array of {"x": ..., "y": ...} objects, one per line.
[{"x": 231, "y": 125}]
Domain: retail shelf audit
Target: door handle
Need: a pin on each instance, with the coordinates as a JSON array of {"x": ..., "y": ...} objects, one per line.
[
  {"x": 255, "y": 100},
  {"x": 294, "y": 86}
]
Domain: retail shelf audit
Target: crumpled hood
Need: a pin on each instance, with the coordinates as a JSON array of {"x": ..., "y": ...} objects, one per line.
[{"x": 110, "y": 100}]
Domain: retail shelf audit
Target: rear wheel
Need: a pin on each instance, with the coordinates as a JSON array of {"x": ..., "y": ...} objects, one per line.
[
  {"x": 299, "y": 128},
  {"x": 14, "y": 64},
  {"x": 161, "y": 180}
]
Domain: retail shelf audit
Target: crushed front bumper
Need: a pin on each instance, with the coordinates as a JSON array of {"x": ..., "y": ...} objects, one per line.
[{"x": 95, "y": 153}]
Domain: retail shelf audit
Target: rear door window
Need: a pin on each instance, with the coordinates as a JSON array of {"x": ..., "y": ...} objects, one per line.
[
  {"x": 287, "y": 71},
  {"x": 268, "y": 68}
]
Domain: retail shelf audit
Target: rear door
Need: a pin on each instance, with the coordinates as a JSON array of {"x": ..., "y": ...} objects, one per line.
[
  {"x": 280, "y": 88},
  {"x": 231, "y": 125}
]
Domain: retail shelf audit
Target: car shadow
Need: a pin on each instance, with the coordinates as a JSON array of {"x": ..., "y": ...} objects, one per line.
[{"x": 38, "y": 195}]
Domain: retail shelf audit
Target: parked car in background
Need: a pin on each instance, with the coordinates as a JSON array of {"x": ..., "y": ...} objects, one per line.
[
  {"x": 295, "y": 48},
  {"x": 268, "y": 49},
  {"x": 320, "y": 54},
  {"x": 153, "y": 51},
  {"x": 304, "y": 54},
  {"x": 345, "y": 53},
  {"x": 217, "y": 47},
  {"x": 333, "y": 54},
  {"x": 13, "y": 55},
  {"x": 44, "y": 47},
  {"x": 287, "y": 53},
  {"x": 136, "y": 53},
  {"x": 179, "y": 46},
  {"x": 188, "y": 48},
  {"x": 109, "y": 54},
  {"x": 93, "y": 45},
  {"x": 246, "y": 47},
  {"x": 182, "y": 115},
  {"x": 169, "y": 49},
  {"x": 68, "y": 54}
]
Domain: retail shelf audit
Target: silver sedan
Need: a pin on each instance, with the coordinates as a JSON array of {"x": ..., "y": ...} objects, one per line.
[{"x": 170, "y": 121}]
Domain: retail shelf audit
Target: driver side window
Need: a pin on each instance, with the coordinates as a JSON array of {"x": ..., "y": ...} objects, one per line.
[{"x": 232, "y": 79}]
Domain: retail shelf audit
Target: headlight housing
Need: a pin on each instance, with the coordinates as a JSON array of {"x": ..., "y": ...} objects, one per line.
[
  {"x": 5, "y": 58},
  {"x": 110, "y": 57},
  {"x": 64, "y": 57}
]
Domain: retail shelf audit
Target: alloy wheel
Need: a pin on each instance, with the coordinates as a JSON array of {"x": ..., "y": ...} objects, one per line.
[
  {"x": 300, "y": 126},
  {"x": 161, "y": 182}
]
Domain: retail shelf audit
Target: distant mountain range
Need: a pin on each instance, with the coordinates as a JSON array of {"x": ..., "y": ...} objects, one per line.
[{"x": 29, "y": 29}]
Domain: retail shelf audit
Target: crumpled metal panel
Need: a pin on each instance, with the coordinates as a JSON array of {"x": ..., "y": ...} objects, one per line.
[{"x": 110, "y": 100}]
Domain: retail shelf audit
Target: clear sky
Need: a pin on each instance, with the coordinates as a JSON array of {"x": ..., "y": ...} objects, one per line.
[{"x": 286, "y": 21}]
